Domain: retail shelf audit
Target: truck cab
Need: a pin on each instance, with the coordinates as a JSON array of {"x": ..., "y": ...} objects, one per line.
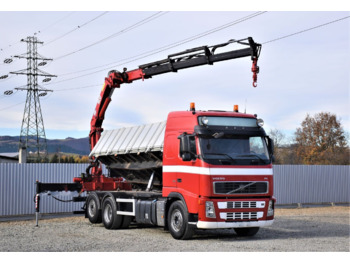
[{"x": 220, "y": 165}]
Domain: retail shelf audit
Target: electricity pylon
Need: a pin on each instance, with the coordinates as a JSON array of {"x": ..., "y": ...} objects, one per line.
[{"x": 32, "y": 135}]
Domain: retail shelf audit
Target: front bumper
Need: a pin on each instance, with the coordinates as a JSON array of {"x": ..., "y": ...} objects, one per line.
[
  {"x": 235, "y": 213},
  {"x": 215, "y": 225}
]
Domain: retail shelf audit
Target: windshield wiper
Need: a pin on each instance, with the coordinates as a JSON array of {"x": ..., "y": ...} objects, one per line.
[
  {"x": 254, "y": 155},
  {"x": 222, "y": 154},
  {"x": 240, "y": 188}
]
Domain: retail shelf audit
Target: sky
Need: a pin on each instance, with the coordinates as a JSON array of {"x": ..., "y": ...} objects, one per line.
[{"x": 304, "y": 67}]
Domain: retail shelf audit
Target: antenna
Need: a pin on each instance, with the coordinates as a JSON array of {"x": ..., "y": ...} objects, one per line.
[{"x": 32, "y": 130}]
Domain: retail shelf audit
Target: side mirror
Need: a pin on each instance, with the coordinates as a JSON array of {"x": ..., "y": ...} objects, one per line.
[
  {"x": 270, "y": 147},
  {"x": 187, "y": 147},
  {"x": 186, "y": 157}
]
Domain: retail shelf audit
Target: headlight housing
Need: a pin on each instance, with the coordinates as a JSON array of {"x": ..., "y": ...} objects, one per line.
[
  {"x": 209, "y": 209},
  {"x": 270, "y": 210}
]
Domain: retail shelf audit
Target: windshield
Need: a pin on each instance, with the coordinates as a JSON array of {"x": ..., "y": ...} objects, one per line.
[{"x": 234, "y": 150}]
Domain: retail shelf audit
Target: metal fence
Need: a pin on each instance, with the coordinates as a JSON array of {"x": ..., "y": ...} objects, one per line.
[
  {"x": 292, "y": 184},
  {"x": 301, "y": 184},
  {"x": 17, "y": 187}
]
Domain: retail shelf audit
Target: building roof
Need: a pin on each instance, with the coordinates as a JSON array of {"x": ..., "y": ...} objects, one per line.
[{"x": 13, "y": 155}]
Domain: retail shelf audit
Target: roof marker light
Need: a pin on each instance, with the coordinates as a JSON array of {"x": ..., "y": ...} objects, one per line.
[
  {"x": 260, "y": 122},
  {"x": 205, "y": 120},
  {"x": 192, "y": 106}
]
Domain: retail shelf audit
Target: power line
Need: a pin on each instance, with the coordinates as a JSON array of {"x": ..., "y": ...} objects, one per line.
[
  {"x": 5, "y": 108},
  {"x": 57, "y": 38},
  {"x": 164, "y": 48},
  {"x": 10, "y": 45},
  {"x": 40, "y": 31},
  {"x": 306, "y": 30},
  {"x": 142, "y": 22},
  {"x": 152, "y": 52},
  {"x": 196, "y": 37},
  {"x": 172, "y": 45},
  {"x": 54, "y": 23},
  {"x": 76, "y": 28},
  {"x": 74, "y": 88}
]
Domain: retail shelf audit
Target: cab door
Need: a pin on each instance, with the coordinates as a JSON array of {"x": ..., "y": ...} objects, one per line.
[{"x": 170, "y": 159}]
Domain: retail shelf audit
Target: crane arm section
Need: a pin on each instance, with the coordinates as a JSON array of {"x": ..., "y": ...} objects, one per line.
[{"x": 204, "y": 55}]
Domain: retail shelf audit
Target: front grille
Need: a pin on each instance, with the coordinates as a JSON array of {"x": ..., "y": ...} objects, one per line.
[
  {"x": 240, "y": 187},
  {"x": 241, "y": 204},
  {"x": 241, "y": 215},
  {"x": 244, "y": 204}
]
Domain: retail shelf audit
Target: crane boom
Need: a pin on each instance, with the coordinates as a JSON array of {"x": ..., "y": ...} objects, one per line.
[{"x": 189, "y": 58}]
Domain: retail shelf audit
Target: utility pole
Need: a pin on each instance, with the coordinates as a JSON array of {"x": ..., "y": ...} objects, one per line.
[{"x": 32, "y": 135}]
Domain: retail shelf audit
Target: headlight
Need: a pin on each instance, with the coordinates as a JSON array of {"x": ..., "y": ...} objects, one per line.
[
  {"x": 270, "y": 210},
  {"x": 209, "y": 209}
]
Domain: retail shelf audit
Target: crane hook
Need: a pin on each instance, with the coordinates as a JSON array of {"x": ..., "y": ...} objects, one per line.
[{"x": 255, "y": 70}]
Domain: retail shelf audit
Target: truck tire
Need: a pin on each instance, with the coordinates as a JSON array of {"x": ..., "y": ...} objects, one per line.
[
  {"x": 126, "y": 222},
  {"x": 246, "y": 231},
  {"x": 110, "y": 219},
  {"x": 178, "y": 221},
  {"x": 92, "y": 209}
]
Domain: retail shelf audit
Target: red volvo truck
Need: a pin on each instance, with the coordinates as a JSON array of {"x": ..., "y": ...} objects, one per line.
[{"x": 197, "y": 170}]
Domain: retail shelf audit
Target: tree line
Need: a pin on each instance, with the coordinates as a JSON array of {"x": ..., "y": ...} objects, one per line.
[
  {"x": 320, "y": 140},
  {"x": 60, "y": 158}
]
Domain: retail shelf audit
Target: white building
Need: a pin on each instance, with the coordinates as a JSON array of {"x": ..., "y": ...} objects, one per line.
[{"x": 9, "y": 157}]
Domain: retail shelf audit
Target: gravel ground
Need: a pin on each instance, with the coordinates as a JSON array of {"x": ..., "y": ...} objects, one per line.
[{"x": 303, "y": 229}]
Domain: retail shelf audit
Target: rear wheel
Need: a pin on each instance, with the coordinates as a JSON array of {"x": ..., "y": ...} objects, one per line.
[
  {"x": 126, "y": 221},
  {"x": 178, "y": 221},
  {"x": 93, "y": 213},
  {"x": 110, "y": 218},
  {"x": 246, "y": 231}
]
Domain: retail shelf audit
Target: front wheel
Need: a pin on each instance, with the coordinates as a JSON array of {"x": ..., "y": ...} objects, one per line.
[
  {"x": 246, "y": 231},
  {"x": 178, "y": 221}
]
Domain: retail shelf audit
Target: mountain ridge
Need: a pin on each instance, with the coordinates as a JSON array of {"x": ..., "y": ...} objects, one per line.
[{"x": 80, "y": 146}]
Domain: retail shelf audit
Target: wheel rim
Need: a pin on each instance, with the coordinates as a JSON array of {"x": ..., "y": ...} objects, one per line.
[
  {"x": 107, "y": 214},
  {"x": 92, "y": 208},
  {"x": 176, "y": 220}
]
